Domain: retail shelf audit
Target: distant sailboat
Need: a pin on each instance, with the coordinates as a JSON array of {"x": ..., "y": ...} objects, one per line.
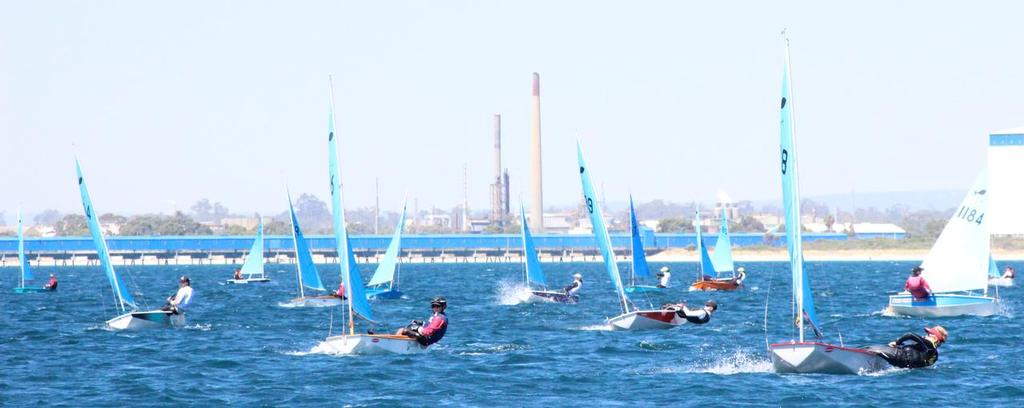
[
  {"x": 632, "y": 318},
  {"x": 26, "y": 270},
  {"x": 720, "y": 275},
  {"x": 357, "y": 304},
  {"x": 638, "y": 265},
  {"x": 252, "y": 268},
  {"x": 130, "y": 317},
  {"x": 384, "y": 283},
  {"x": 994, "y": 277},
  {"x": 957, "y": 266},
  {"x": 800, "y": 356},
  {"x": 306, "y": 272},
  {"x": 533, "y": 274}
]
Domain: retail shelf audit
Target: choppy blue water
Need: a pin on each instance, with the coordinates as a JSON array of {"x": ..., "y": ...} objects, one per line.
[{"x": 241, "y": 348}]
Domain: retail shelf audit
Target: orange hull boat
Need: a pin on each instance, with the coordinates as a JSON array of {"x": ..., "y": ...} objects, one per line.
[{"x": 707, "y": 285}]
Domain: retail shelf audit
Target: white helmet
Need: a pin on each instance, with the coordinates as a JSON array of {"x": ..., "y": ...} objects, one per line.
[
  {"x": 664, "y": 269},
  {"x": 577, "y": 276}
]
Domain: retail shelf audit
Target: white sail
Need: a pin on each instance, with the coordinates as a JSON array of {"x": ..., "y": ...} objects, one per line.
[{"x": 959, "y": 259}]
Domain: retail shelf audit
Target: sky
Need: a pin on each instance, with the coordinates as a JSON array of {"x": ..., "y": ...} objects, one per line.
[{"x": 167, "y": 103}]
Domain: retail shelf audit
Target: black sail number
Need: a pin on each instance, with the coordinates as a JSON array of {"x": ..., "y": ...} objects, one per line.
[
  {"x": 785, "y": 160},
  {"x": 590, "y": 205}
]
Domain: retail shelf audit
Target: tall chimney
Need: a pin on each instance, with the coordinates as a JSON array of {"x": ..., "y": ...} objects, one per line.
[
  {"x": 537, "y": 198},
  {"x": 496, "y": 187}
]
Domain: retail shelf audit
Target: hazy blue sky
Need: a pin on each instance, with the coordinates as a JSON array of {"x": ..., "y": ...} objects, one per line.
[{"x": 176, "y": 101}]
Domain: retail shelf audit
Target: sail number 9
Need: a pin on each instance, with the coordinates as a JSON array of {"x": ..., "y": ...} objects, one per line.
[{"x": 970, "y": 215}]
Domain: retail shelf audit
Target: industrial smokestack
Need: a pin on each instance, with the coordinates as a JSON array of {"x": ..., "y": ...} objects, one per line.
[
  {"x": 496, "y": 186},
  {"x": 537, "y": 197}
]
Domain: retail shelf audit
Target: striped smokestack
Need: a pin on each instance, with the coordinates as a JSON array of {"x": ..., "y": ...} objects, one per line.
[{"x": 537, "y": 196}]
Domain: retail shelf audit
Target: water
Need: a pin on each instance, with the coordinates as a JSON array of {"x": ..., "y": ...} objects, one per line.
[{"x": 241, "y": 348}]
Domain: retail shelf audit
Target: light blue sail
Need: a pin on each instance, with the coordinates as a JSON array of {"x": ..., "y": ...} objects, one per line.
[
  {"x": 385, "y": 273},
  {"x": 308, "y": 275},
  {"x": 993, "y": 270},
  {"x": 640, "y": 268},
  {"x": 349, "y": 271},
  {"x": 600, "y": 230},
  {"x": 722, "y": 258},
  {"x": 26, "y": 270},
  {"x": 121, "y": 293},
  {"x": 707, "y": 268},
  {"x": 533, "y": 271},
  {"x": 802, "y": 294},
  {"x": 254, "y": 260}
]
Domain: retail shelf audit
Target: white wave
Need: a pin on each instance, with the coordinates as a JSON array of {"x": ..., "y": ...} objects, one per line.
[
  {"x": 886, "y": 371},
  {"x": 512, "y": 293},
  {"x": 596, "y": 327},
  {"x": 740, "y": 362},
  {"x": 198, "y": 326}
]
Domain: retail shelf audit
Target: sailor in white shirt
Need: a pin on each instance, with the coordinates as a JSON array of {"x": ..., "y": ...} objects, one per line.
[
  {"x": 663, "y": 277},
  {"x": 180, "y": 301}
]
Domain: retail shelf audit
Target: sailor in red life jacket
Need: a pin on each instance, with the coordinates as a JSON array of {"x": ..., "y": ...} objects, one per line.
[
  {"x": 52, "y": 283},
  {"x": 434, "y": 329},
  {"x": 341, "y": 291},
  {"x": 917, "y": 286}
]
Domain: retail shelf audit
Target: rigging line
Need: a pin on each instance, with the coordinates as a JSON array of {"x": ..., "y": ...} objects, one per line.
[{"x": 766, "y": 298}]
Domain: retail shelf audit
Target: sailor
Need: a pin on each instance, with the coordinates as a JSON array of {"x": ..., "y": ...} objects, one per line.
[
  {"x": 917, "y": 286},
  {"x": 434, "y": 329},
  {"x": 238, "y": 274},
  {"x": 663, "y": 276},
  {"x": 341, "y": 291},
  {"x": 1008, "y": 274},
  {"x": 695, "y": 316},
  {"x": 574, "y": 288},
  {"x": 914, "y": 351},
  {"x": 741, "y": 274},
  {"x": 178, "y": 302},
  {"x": 52, "y": 283}
]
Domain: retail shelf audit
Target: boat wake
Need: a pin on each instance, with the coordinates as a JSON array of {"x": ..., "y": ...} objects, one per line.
[
  {"x": 512, "y": 293},
  {"x": 289, "y": 305},
  {"x": 740, "y": 362},
  {"x": 596, "y": 327},
  {"x": 480, "y": 349},
  {"x": 198, "y": 326}
]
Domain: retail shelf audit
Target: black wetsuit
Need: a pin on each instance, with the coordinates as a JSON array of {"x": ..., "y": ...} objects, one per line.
[
  {"x": 911, "y": 351},
  {"x": 702, "y": 319}
]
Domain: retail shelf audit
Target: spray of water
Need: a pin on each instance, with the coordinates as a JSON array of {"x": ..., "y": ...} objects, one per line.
[
  {"x": 740, "y": 362},
  {"x": 512, "y": 293}
]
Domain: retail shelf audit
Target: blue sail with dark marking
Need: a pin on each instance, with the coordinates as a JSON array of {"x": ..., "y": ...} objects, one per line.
[
  {"x": 640, "y": 267},
  {"x": 707, "y": 268},
  {"x": 26, "y": 270},
  {"x": 385, "y": 273},
  {"x": 253, "y": 264},
  {"x": 802, "y": 294},
  {"x": 121, "y": 293},
  {"x": 533, "y": 271},
  {"x": 308, "y": 275},
  {"x": 722, "y": 257},
  {"x": 604, "y": 242},
  {"x": 349, "y": 271}
]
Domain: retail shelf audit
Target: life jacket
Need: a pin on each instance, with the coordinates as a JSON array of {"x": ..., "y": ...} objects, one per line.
[
  {"x": 916, "y": 286},
  {"x": 438, "y": 333},
  {"x": 706, "y": 317}
]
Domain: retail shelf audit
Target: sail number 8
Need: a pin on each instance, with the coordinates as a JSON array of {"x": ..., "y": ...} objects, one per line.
[{"x": 970, "y": 215}]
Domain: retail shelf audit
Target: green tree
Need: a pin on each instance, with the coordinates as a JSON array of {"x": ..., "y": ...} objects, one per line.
[
  {"x": 748, "y": 224},
  {"x": 72, "y": 225},
  {"x": 237, "y": 230},
  {"x": 675, "y": 224},
  {"x": 276, "y": 227},
  {"x": 47, "y": 217},
  {"x": 109, "y": 218}
]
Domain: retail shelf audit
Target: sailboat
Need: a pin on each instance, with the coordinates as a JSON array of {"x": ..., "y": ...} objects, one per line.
[
  {"x": 384, "y": 283},
  {"x": 632, "y": 318},
  {"x": 130, "y": 317},
  {"x": 802, "y": 356},
  {"x": 638, "y": 265},
  {"x": 252, "y": 269},
  {"x": 306, "y": 272},
  {"x": 26, "y": 270},
  {"x": 721, "y": 262},
  {"x": 957, "y": 266},
  {"x": 994, "y": 277},
  {"x": 356, "y": 303},
  {"x": 533, "y": 274}
]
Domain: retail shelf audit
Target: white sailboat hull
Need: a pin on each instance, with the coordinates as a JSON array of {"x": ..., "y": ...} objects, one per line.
[
  {"x": 646, "y": 320},
  {"x": 313, "y": 301},
  {"x": 1001, "y": 282},
  {"x": 369, "y": 344},
  {"x": 246, "y": 280},
  {"x": 821, "y": 358},
  {"x": 152, "y": 319},
  {"x": 944, "y": 305}
]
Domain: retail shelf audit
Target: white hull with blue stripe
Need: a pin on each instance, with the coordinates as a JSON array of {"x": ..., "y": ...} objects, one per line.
[
  {"x": 153, "y": 319},
  {"x": 822, "y": 358},
  {"x": 944, "y": 305}
]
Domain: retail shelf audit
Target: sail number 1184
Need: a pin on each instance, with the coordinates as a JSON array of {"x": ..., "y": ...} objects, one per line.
[{"x": 970, "y": 215}]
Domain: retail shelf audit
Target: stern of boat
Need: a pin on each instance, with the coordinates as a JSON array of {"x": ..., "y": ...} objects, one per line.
[
  {"x": 369, "y": 344},
  {"x": 944, "y": 305},
  {"x": 146, "y": 320},
  {"x": 646, "y": 320}
]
